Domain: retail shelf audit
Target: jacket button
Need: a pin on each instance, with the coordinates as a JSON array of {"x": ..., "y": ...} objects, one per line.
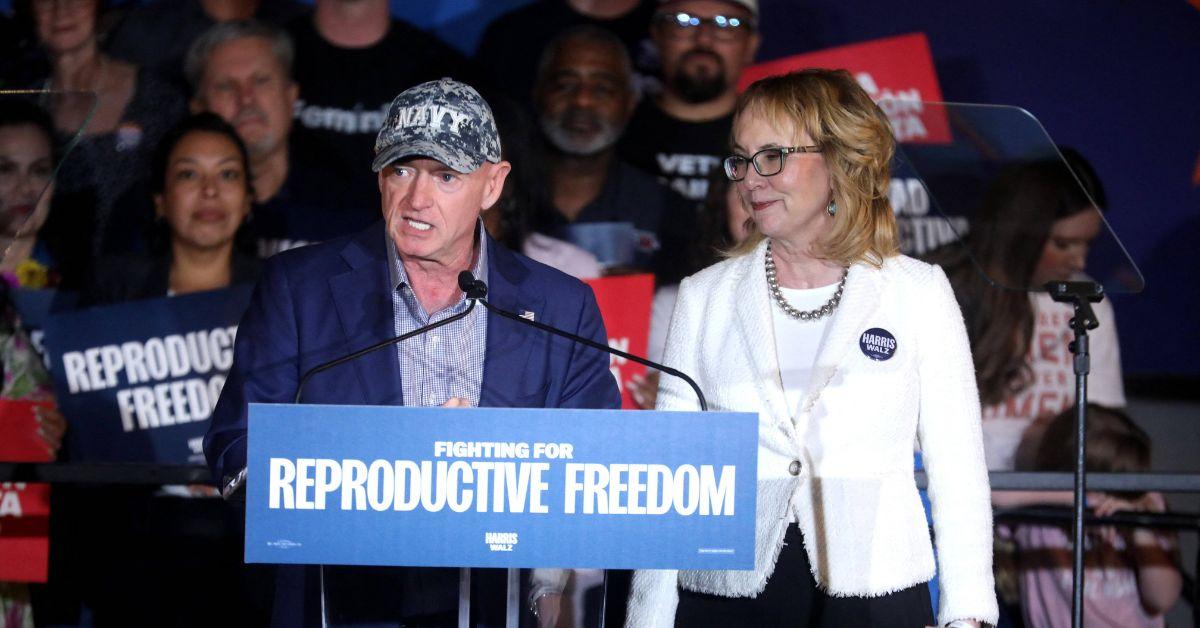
[{"x": 794, "y": 468}]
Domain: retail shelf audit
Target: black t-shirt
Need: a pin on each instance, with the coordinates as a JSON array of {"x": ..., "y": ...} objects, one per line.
[
  {"x": 345, "y": 94},
  {"x": 122, "y": 278},
  {"x": 512, "y": 45},
  {"x": 309, "y": 207},
  {"x": 108, "y": 165},
  {"x": 158, "y": 35},
  {"x": 661, "y": 219},
  {"x": 681, "y": 154}
]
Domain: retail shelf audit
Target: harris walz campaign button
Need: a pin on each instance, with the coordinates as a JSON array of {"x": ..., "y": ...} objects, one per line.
[{"x": 877, "y": 343}]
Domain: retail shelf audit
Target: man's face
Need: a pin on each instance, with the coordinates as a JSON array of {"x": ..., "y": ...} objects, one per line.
[
  {"x": 245, "y": 84},
  {"x": 431, "y": 209},
  {"x": 701, "y": 63},
  {"x": 584, "y": 98}
]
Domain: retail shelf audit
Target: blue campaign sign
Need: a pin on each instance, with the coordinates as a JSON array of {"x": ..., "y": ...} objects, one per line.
[
  {"x": 492, "y": 487},
  {"x": 137, "y": 381}
]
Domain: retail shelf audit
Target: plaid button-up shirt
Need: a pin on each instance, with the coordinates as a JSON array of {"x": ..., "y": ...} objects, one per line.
[{"x": 448, "y": 361}]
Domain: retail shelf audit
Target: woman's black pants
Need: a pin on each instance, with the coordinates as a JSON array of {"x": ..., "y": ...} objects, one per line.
[{"x": 792, "y": 599}]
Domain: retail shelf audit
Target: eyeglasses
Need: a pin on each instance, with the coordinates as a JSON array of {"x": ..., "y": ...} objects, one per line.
[
  {"x": 722, "y": 26},
  {"x": 768, "y": 162}
]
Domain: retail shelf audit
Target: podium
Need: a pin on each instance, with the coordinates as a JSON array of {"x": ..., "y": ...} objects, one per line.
[{"x": 406, "y": 514}]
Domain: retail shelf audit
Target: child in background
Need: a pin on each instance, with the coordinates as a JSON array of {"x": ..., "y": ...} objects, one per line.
[{"x": 1131, "y": 576}]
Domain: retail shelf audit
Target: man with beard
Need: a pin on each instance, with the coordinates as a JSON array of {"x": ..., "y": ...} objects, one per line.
[
  {"x": 242, "y": 71},
  {"x": 684, "y": 133},
  {"x": 584, "y": 99}
]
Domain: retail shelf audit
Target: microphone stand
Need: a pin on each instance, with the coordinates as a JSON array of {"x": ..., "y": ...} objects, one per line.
[
  {"x": 476, "y": 291},
  {"x": 1080, "y": 294}
]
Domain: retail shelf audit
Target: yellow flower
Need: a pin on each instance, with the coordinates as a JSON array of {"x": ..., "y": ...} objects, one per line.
[{"x": 32, "y": 274}]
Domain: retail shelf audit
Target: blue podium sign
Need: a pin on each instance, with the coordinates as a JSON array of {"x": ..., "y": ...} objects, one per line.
[{"x": 492, "y": 487}]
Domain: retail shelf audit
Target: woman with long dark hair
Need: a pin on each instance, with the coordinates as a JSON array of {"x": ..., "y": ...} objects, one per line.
[
  {"x": 202, "y": 199},
  {"x": 1034, "y": 225},
  {"x": 182, "y": 545}
]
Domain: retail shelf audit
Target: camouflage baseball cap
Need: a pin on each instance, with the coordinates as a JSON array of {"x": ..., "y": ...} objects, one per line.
[{"x": 444, "y": 120}]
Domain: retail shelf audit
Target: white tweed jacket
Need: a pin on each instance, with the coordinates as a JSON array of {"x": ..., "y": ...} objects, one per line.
[{"x": 852, "y": 436}]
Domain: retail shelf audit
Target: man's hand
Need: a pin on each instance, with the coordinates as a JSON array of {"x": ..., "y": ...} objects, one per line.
[
  {"x": 644, "y": 389},
  {"x": 456, "y": 402}
]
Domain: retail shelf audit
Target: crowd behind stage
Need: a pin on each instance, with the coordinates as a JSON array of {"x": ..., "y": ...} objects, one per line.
[{"x": 224, "y": 132}]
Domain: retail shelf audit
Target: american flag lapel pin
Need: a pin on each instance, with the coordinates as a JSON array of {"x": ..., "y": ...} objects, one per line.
[{"x": 525, "y": 314}]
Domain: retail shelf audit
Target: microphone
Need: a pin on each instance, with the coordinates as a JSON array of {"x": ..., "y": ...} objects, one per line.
[{"x": 476, "y": 290}]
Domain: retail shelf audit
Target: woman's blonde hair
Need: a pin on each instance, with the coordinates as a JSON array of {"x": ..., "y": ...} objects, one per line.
[{"x": 856, "y": 142}]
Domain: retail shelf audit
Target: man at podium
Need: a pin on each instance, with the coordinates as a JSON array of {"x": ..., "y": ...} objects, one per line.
[{"x": 439, "y": 165}]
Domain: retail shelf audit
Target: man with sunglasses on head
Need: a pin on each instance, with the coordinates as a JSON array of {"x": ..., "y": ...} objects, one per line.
[{"x": 683, "y": 133}]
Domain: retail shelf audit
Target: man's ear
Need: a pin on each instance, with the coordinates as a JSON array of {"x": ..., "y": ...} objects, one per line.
[
  {"x": 196, "y": 106},
  {"x": 494, "y": 185}
]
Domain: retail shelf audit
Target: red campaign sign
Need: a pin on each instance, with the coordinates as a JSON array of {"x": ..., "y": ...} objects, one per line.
[
  {"x": 625, "y": 307},
  {"x": 19, "y": 440},
  {"x": 24, "y": 508},
  {"x": 896, "y": 70}
]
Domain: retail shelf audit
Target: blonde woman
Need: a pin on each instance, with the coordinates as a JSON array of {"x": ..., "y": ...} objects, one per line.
[{"x": 850, "y": 353}]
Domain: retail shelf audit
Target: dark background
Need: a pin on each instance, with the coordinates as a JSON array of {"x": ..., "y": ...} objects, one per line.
[{"x": 1117, "y": 79}]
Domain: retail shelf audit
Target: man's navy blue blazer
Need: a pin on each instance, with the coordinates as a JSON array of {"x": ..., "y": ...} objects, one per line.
[
  {"x": 324, "y": 301},
  {"x": 320, "y": 302}
]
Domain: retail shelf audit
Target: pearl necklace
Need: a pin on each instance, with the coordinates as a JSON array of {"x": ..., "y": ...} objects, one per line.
[{"x": 810, "y": 315}]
